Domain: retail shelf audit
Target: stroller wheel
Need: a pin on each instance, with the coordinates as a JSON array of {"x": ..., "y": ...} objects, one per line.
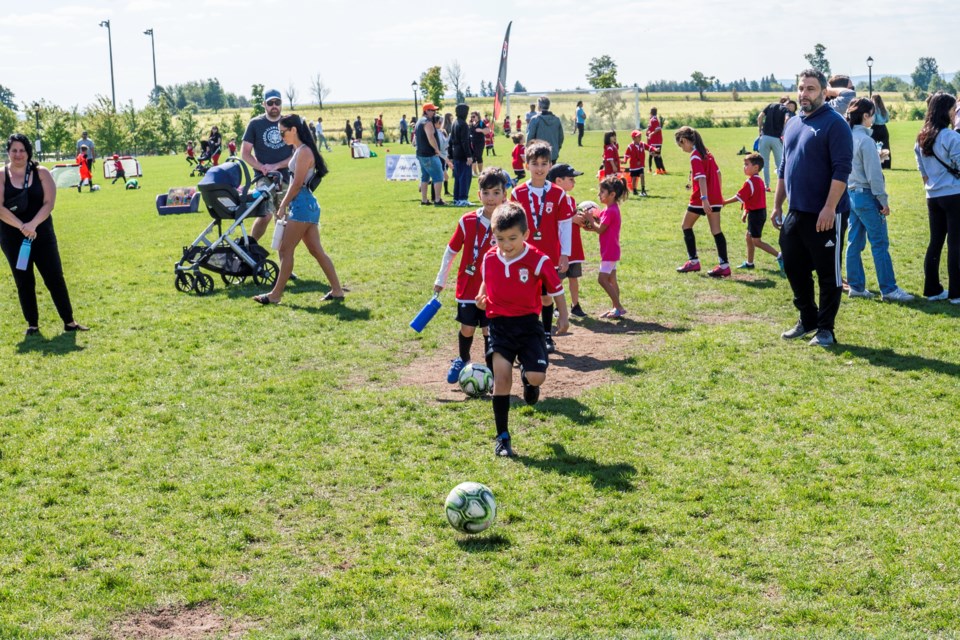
[
  {"x": 267, "y": 274},
  {"x": 185, "y": 282},
  {"x": 232, "y": 279},
  {"x": 204, "y": 284}
]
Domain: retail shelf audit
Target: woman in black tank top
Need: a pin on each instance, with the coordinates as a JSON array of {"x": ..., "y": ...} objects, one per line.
[{"x": 29, "y": 194}]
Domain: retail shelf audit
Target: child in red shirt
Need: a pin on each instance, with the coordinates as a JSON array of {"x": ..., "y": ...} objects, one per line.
[
  {"x": 705, "y": 199},
  {"x": 611, "y": 154},
  {"x": 232, "y": 147},
  {"x": 191, "y": 159},
  {"x": 506, "y": 126},
  {"x": 120, "y": 173},
  {"x": 514, "y": 275},
  {"x": 753, "y": 197},
  {"x": 655, "y": 140},
  {"x": 85, "y": 176},
  {"x": 519, "y": 124},
  {"x": 518, "y": 156},
  {"x": 488, "y": 136},
  {"x": 635, "y": 157}
]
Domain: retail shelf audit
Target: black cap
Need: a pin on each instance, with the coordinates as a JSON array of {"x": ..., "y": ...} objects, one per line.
[{"x": 562, "y": 170}]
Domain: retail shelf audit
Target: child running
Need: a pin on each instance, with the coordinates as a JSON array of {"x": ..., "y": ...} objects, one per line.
[
  {"x": 86, "y": 176},
  {"x": 518, "y": 156},
  {"x": 607, "y": 225},
  {"x": 514, "y": 274},
  {"x": 635, "y": 157},
  {"x": 753, "y": 197},
  {"x": 118, "y": 169},
  {"x": 705, "y": 199},
  {"x": 611, "y": 154},
  {"x": 474, "y": 236},
  {"x": 191, "y": 157},
  {"x": 565, "y": 177}
]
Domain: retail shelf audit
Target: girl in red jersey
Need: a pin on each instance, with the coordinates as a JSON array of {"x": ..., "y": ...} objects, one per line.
[
  {"x": 655, "y": 140},
  {"x": 706, "y": 198},
  {"x": 519, "y": 155},
  {"x": 611, "y": 154}
]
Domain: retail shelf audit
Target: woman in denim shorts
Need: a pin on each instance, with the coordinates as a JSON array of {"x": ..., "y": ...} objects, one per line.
[{"x": 300, "y": 210}]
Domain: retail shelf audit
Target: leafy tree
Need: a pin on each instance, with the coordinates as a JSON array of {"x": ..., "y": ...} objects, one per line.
[
  {"x": 818, "y": 60},
  {"x": 890, "y": 83},
  {"x": 214, "y": 96},
  {"x": 8, "y": 121},
  {"x": 603, "y": 73},
  {"x": 57, "y": 134},
  {"x": 106, "y": 127},
  {"x": 454, "y": 75},
  {"x": 519, "y": 88},
  {"x": 468, "y": 93},
  {"x": 319, "y": 89},
  {"x": 189, "y": 127},
  {"x": 702, "y": 82},
  {"x": 238, "y": 126},
  {"x": 161, "y": 122},
  {"x": 925, "y": 72},
  {"x": 432, "y": 87},
  {"x": 256, "y": 99},
  {"x": 7, "y": 98},
  {"x": 291, "y": 95},
  {"x": 607, "y": 107}
]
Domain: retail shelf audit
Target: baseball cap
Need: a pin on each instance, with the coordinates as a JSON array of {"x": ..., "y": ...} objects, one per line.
[
  {"x": 428, "y": 106},
  {"x": 635, "y": 133},
  {"x": 271, "y": 94},
  {"x": 562, "y": 170}
]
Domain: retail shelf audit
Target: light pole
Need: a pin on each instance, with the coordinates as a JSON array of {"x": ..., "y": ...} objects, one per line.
[
  {"x": 153, "y": 49},
  {"x": 36, "y": 114},
  {"x": 416, "y": 112},
  {"x": 113, "y": 90},
  {"x": 870, "y": 76}
]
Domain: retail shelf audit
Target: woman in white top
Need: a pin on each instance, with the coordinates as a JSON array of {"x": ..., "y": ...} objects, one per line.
[{"x": 300, "y": 210}]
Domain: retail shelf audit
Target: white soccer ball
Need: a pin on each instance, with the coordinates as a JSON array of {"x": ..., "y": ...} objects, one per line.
[
  {"x": 471, "y": 507},
  {"x": 476, "y": 380},
  {"x": 95, "y": 187},
  {"x": 587, "y": 205}
]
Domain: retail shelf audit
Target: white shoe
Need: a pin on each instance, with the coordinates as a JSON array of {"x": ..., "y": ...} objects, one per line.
[
  {"x": 897, "y": 295},
  {"x": 940, "y": 296},
  {"x": 955, "y": 301},
  {"x": 860, "y": 294}
]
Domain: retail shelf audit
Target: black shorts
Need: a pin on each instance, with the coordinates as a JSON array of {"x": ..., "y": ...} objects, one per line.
[
  {"x": 636, "y": 172},
  {"x": 470, "y": 315},
  {"x": 522, "y": 338},
  {"x": 575, "y": 270},
  {"x": 655, "y": 149},
  {"x": 755, "y": 221},
  {"x": 520, "y": 173},
  {"x": 700, "y": 211}
]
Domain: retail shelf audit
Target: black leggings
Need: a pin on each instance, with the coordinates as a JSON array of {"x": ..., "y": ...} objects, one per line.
[
  {"x": 46, "y": 257},
  {"x": 944, "y": 214}
]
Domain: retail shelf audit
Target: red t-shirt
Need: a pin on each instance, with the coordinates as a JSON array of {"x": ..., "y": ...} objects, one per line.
[
  {"x": 753, "y": 194},
  {"x": 636, "y": 155},
  {"x": 475, "y": 238},
  {"x": 518, "y": 123},
  {"x": 513, "y": 287},
  {"x": 488, "y": 136},
  {"x": 518, "y": 157},
  {"x": 506, "y": 124},
  {"x": 189, "y": 152},
  {"x": 708, "y": 169},
  {"x": 611, "y": 160},
  {"x": 84, "y": 169},
  {"x": 232, "y": 147},
  {"x": 576, "y": 243},
  {"x": 117, "y": 166},
  {"x": 654, "y": 134},
  {"x": 555, "y": 208}
]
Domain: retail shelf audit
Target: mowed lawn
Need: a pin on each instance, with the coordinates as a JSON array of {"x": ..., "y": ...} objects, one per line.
[{"x": 268, "y": 464}]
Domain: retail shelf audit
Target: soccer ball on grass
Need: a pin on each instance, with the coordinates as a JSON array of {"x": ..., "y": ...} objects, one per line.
[
  {"x": 476, "y": 380},
  {"x": 471, "y": 508}
]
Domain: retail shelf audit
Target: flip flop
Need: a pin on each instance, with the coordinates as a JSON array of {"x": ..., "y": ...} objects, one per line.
[
  {"x": 616, "y": 313},
  {"x": 264, "y": 299},
  {"x": 606, "y": 314},
  {"x": 330, "y": 296}
]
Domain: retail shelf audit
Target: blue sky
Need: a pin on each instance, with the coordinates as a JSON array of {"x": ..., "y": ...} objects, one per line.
[{"x": 366, "y": 50}]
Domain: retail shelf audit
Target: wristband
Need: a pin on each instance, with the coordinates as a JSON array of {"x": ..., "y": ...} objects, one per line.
[{"x": 704, "y": 198}]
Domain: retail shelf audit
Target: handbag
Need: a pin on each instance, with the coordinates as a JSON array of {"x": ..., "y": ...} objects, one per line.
[
  {"x": 18, "y": 203},
  {"x": 950, "y": 169}
]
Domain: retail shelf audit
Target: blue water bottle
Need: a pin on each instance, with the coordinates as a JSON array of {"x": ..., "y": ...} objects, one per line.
[
  {"x": 24, "y": 259},
  {"x": 426, "y": 314}
]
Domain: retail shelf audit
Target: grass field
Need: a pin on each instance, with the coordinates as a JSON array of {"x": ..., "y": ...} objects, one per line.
[{"x": 266, "y": 471}]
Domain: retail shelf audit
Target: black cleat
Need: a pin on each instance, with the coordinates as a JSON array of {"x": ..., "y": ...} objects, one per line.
[{"x": 502, "y": 448}]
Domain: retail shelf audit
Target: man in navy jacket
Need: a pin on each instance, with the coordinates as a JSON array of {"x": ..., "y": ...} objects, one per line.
[{"x": 817, "y": 159}]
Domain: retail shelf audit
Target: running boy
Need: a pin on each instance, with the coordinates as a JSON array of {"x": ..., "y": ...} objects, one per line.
[
  {"x": 474, "y": 236},
  {"x": 753, "y": 197},
  {"x": 548, "y": 219},
  {"x": 705, "y": 199},
  {"x": 86, "y": 177},
  {"x": 191, "y": 158},
  {"x": 232, "y": 147},
  {"x": 607, "y": 225},
  {"x": 635, "y": 157},
  {"x": 518, "y": 156},
  {"x": 118, "y": 169},
  {"x": 564, "y": 176},
  {"x": 514, "y": 275}
]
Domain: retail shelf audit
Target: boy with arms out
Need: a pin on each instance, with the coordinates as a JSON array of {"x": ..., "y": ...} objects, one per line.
[
  {"x": 474, "y": 236},
  {"x": 549, "y": 215},
  {"x": 514, "y": 274},
  {"x": 753, "y": 197}
]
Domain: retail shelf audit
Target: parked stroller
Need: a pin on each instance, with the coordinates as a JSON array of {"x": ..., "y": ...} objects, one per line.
[
  {"x": 226, "y": 192},
  {"x": 205, "y": 161}
]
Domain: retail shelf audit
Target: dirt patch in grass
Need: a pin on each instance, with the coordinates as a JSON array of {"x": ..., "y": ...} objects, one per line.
[
  {"x": 586, "y": 357},
  {"x": 182, "y": 623}
]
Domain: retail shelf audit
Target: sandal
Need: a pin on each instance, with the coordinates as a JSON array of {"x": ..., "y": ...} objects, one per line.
[
  {"x": 439, "y": 203},
  {"x": 74, "y": 327},
  {"x": 616, "y": 313},
  {"x": 330, "y": 296},
  {"x": 263, "y": 298}
]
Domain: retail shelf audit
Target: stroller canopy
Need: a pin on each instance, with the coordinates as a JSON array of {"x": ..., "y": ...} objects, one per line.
[{"x": 225, "y": 174}]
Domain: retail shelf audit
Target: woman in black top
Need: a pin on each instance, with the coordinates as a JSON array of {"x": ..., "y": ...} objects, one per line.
[
  {"x": 29, "y": 194},
  {"x": 348, "y": 130},
  {"x": 216, "y": 144}
]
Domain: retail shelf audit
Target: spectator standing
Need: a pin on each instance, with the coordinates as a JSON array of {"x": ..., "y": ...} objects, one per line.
[
  {"x": 840, "y": 93},
  {"x": 880, "y": 133},
  {"x": 428, "y": 154},
  {"x": 348, "y": 132},
  {"x": 263, "y": 149},
  {"x": 581, "y": 122},
  {"x": 478, "y": 137},
  {"x": 461, "y": 153},
  {"x": 530, "y": 115},
  {"x": 404, "y": 132},
  {"x": 215, "y": 141},
  {"x": 321, "y": 139},
  {"x": 358, "y": 129},
  {"x": 547, "y": 127},
  {"x": 771, "y": 121}
]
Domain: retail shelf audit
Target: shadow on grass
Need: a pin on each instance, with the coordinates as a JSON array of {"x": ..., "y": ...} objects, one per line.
[
  {"x": 59, "y": 345},
  {"x": 496, "y": 542},
  {"x": 942, "y": 308},
  {"x": 898, "y": 361},
  {"x": 571, "y": 408},
  {"x": 602, "y": 476},
  {"x": 627, "y": 326},
  {"x": 758, "y": 283}
]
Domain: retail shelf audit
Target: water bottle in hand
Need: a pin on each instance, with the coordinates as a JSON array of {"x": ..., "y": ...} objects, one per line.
[{"x": 24, "y": 258}]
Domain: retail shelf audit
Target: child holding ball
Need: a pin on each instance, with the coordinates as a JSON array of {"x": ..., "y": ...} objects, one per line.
[{"x": 607, "y": 224}]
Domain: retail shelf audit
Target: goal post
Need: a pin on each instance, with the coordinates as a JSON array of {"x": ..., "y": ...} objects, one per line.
[{"x": 606, "y": 109}]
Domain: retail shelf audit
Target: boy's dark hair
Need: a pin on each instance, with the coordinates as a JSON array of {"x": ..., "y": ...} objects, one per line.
[
  {"x": 509, "y": 215},
  {"x": 614, "y": 185},
  {"x": 538, "y": 150},
  {"x": 493, "y": 177},
  {"x": 517, "y": 138},
  {"x": 815, "y": 73},
  {"x": 754, "y": 158},
  {"x": 839, "y": 82},
  {"x": 653, "y": 111},
  {"x": 607, "y": 136}
]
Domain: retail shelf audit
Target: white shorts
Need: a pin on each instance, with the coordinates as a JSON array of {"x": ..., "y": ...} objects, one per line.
[{"x": 608, "y": 266}]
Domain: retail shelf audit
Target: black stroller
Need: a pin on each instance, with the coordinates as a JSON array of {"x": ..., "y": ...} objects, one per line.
[
  {"x": 226, "y": 192},
  {"x": 205, "y": 161}
]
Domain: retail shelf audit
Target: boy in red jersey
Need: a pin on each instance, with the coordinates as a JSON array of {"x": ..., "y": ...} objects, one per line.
[
  {"x": 519, "y": 124},
  {"x": 706, "y": 199},
  {"x": 635, "y": 157},
  {"x": 519, "y": 155},
  {"x": 565, "y": 177},
  {"x": 548, "y": 219},
  {"x": 655, "y": 140},
  {"x": 488, "y": 136},
  {"x": 474, "y": 236},
  {"x": 232, "y": 147},
  {"x": 191, "y": 158},
  {"x": 514, "y": 275},
  {"x": 506, "y": 126},
  {"x": 119, "y": 172},
  {"x": 753, "y": 197}
]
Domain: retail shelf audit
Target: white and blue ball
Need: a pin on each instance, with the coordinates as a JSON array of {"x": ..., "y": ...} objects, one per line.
[
  {"x": 471, "y": 507},
  {"x": 476, "y": 380}
]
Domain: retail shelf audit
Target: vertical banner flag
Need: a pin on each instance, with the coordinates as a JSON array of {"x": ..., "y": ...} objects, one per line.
[{"x": 501, "y": 77}]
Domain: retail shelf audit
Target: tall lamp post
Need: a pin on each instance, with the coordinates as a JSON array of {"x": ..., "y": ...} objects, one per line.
[
  {"x": 870, "y": 75},
  {"x": 416, "y": 111},
  {"x": 113, "y": 90},
  {"x": 153, "y": 50},
  {"x": 37, "y": 145}
]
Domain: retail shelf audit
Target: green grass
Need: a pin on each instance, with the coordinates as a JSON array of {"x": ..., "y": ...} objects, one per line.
[{"x": 264, "y": 460}]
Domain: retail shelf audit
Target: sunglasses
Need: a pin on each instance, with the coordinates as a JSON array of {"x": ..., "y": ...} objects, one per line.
[{"x": 273, "y": 103}]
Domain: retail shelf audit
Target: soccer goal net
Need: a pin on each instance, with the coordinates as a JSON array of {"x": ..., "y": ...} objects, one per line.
[{"x": 605, "y": 109}]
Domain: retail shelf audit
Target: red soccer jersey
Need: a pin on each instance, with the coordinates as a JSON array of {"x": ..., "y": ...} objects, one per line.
[
  {"x": 189, "y": 152},
  {"x": 519, "y": 123},
  {"x": 518, "y": 153},
  {"x": 654, "y": 134},
  {"x": 753, "y": 194},
  {"x": 117, "y": 166},
  {"x": 705, "y": 169},
  {"x": 611, "y": 160},
  {"x": 84, "y": 169},
  {"x": 513, "y": 287},
  {"x": 636, "y": 155},
  {"x": 506, "y": 125},
  {"x": 475, "y": 238},
  {"x": 552, "y": 210},
  {"x": 232, "y": 147}
]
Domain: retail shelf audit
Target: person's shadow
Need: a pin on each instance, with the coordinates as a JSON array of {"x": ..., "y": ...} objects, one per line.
[
  {"x": 59, "y": 345},
  {"x": 617, "y": 476},
  {"x": 577, "y": 412},
  {"x": 627, "y": 326},
  {"x": 898, "y": 361}
]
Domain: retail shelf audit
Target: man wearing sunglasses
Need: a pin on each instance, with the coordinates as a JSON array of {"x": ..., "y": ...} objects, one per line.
[{"x": 264, "y": 150}]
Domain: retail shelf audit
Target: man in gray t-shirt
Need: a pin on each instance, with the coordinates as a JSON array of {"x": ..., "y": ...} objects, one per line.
[{"x": 263, "y": 149}]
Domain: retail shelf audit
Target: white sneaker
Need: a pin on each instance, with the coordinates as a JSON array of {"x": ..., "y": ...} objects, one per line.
[
  {"x": 940, "y": 296},
  {"x": 897, "y": 295},
  {"x": 860, "y": 294},
  {"x": 955, "y": 301}
]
